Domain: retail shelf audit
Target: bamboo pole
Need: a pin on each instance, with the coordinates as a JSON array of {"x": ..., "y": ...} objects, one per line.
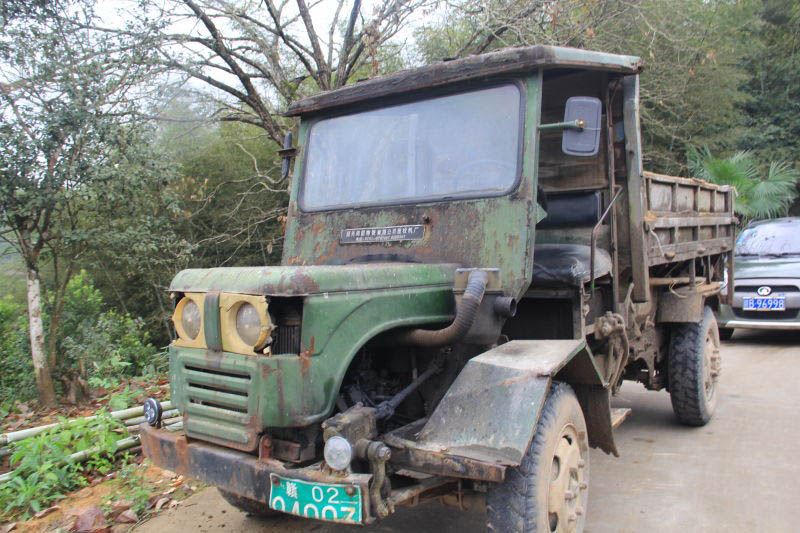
[
  {"x": 139, "y": 419},
  {"x": 124, "y": 414},
  {"x": 120, "y": 445}
]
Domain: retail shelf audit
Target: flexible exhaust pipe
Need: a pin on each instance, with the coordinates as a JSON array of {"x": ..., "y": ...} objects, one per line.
[{"x": 465, "y": 317}]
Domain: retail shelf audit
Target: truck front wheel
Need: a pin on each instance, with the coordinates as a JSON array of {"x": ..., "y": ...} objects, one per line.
[
  {"x": 247, "y": 505},
  {"x": 694, "y": 367},
  {"x": 549, "y": 490}
]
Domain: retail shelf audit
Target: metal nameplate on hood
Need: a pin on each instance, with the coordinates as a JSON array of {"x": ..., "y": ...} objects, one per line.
[{"x": 413, "y": 232}]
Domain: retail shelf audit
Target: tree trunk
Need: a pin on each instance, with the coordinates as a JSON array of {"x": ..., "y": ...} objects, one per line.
[{"x": 44, "y": 380}]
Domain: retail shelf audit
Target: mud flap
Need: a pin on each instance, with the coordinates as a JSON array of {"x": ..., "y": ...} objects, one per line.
[
  {"x": 490, "y": 412},
  {"x": 595, "y": 402}
]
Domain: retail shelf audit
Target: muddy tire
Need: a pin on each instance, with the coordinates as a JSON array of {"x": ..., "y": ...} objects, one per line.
[
  {"x": 549, "y": 490},
  {"x": 247, "y": 505},
  {"x": 694, "y": 367},
  {"x": 725, "y": 334}
]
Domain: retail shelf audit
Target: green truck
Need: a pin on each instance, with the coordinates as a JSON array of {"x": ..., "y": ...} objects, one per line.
[{"x": 474, "y": 260}]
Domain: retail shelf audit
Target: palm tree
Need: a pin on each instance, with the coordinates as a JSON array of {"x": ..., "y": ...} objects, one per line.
[{"x": 760, "y": 194}]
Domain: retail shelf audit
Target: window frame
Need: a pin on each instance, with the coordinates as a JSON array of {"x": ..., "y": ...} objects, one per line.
[{"x": 406, "y": 99}]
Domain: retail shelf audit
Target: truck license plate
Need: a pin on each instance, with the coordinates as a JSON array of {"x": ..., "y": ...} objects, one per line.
[
  {"x": 756, "y": 303},
  {"x": 322, "y": 501}
]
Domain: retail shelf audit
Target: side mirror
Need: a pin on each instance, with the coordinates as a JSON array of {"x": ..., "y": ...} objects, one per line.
[{"x": 583, "y": 141}]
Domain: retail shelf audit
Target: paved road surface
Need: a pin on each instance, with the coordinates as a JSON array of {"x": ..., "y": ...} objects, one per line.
[{"x": 741, "y": 472}]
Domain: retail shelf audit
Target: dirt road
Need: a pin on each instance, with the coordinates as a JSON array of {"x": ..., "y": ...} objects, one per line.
[{"x": 739, "y": 473}]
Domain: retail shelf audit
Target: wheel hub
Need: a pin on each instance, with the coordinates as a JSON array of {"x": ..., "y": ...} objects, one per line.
[{"x": 568, "y": 485}]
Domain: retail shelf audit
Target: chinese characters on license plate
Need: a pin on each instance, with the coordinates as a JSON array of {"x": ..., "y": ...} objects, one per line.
[
  {"x": 323, "y": 501},
  {"x": 755, "y": 303}
]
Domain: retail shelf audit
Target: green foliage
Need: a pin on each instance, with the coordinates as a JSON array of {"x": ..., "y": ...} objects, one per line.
[
  {"x": 772, "y": 60},
  {"x": 45, "y": 472},
  {"x": 16, "y": 370},
  {"x": 101, "y": 346},
  {"x": 133, "y": 488},
  {"x": 761, "y": 193},
  {"x": 691, "y": 51}
]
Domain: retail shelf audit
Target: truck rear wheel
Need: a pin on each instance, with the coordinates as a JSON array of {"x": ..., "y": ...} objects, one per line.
[
  {"x": 247, "y": 505},
  {"x": 549, "y": 490},
  {"x": 694, "y": 366}
]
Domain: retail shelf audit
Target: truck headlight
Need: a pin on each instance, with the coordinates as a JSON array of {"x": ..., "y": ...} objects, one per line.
[
  {"x": 248, "y": 324},
  {"x": 188, "y": 320},
  {"x": 338, "y": 453},
  {"x": 191, "y": 320}
]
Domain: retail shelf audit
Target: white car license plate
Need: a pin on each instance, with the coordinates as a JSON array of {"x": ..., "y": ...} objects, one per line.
[{"x": 770, "y": 303}]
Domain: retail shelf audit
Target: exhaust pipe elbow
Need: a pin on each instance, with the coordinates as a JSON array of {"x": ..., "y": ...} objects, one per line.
[{"x": 465, "y": 317}]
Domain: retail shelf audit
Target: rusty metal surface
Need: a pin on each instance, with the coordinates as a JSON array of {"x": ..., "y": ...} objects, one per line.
[
  {"x": 408, "y": 453},
  {"x": 237, "y": 472},
  {"x": 512, "y": 379},
  {"x": 315, "y": 279},
  {"x": 503, "y": 62}
]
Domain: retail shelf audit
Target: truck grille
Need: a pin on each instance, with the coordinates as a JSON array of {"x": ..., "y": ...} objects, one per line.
[
  {"x": 775, "y": 288},
  {"x": 286, "y": 339},
  {"x": 222, "y": 392}
]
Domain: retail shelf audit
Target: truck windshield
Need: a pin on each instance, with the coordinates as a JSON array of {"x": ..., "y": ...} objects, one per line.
[
  {"x": 772, "y": 239},
  {"x": 465, "y": 144}
]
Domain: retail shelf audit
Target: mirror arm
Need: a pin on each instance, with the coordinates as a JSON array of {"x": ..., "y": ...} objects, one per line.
[
  {"x": 571, "y": 125},
  {"x": 287, "y": 153}
]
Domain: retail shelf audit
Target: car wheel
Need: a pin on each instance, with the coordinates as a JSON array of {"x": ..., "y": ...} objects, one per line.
[
  {"x": 549, "y": 490},
  {"x": 694, "y": 368}
]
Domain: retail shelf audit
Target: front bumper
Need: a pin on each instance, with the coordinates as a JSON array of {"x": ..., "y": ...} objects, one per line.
[
  {"x": 235, "y": 471},
  {"x": 727, "y": 319}
]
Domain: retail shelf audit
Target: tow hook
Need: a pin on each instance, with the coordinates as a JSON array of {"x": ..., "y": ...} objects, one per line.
[{"x": 377, "y": 454}]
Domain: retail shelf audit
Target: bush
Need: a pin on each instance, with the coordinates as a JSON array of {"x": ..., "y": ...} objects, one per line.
[
  {"x": 101, "y": 346},
  {"x": 17, "y": 381},
  {"x": 94, "y": 347},
  {"x": 43, "y": 469}
]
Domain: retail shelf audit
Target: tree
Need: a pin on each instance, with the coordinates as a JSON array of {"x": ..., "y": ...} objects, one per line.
[
  {"x": 254, "y": 56},
  {"x": 760, "y": 192},
  {"x": 773, "y": 85},
  {"x": 691, "y": 50},
  {"x": 68, "y": 95}
]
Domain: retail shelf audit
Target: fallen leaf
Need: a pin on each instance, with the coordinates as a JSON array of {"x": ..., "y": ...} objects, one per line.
[
  {"x": 177, "y": 482},
  {"x": 192, "y": 488},
  {"x": 160, "y": 503},
  {"x": 173, "y": 504},
  {"x": 159, "y": 482},
  {"x": 45, "y": 512},
  {"x": 119, "y": 507},
  {"x": 127, "y": 517},
  {"x": 90, "y": 520},
  {"x": 8, "y": 527},
  {"x": 170, "y": 491}
]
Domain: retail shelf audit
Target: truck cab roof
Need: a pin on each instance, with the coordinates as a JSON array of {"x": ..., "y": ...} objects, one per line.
[{"x": 501, "y": 63}]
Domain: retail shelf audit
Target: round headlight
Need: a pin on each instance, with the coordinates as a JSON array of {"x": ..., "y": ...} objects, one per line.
[
  {"x": 152, "y": 411},
  {"x": 191, "y": 320},
  {"x": 338, "y": 453},
  {"x": 248, "y": 324}
]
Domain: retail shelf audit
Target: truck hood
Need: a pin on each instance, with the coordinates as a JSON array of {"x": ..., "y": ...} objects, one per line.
[
  {"x": 316, "y": 279},
  {"x": 767, "y": 268}
]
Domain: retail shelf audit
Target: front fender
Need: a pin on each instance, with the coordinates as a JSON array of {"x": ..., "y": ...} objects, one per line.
[{"x": 490, "y": 412}]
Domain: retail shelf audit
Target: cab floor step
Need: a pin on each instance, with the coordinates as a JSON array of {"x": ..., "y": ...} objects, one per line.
[{"x": 618, "y": 416}]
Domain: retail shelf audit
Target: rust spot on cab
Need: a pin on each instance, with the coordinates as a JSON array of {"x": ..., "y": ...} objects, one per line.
[{"x": 305, "y": 357}]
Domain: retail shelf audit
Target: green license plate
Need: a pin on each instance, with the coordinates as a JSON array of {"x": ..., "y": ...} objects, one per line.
[{"x": 323, "y": 501}]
